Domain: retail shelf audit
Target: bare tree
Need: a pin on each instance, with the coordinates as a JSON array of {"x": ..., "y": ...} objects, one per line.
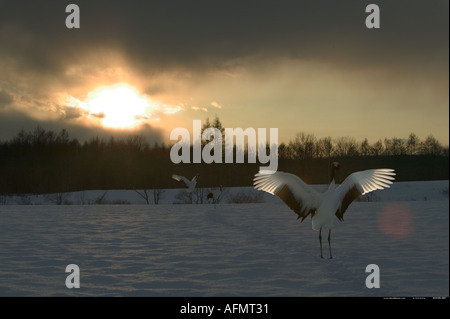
[
  {"x": 346, "y": 146},
  {"x": 137, "y": 142},
  {"x": 144, "y": 194},
  {"x": 431, "y": 146},
  {"x": 398, "y": 146},
  {"x": 101, "y": 200},
  {"x": 325, "y": 147},
  {"x": 216, "y": 123},
  {"x": 58, "y": 198},
  {"x": 283, "y": 151},
  {"x": 197, "y": 196},
  {"x": 304, "y": 146},
  {"x": 158, "y": 194},
  {"x": 364, "y": 148},
  {"x": 412, "y": 143},
  {"x": 82, "y": 198},
  {"x": 377, "y": 148}
]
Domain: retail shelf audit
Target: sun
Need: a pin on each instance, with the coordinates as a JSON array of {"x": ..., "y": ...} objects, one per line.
[{"x": 119, "y": 106}]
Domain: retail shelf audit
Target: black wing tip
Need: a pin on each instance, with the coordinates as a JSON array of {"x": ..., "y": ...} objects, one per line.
[
  {"x": 285, "y": 194},
  {"x": 302, "y": 216}
]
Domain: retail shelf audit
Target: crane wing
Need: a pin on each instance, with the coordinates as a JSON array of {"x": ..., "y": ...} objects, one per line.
[
  {"x": 300, "y": 197},
  {"x": 181, "y": 179},
  {"x": 360, "y": 183}
]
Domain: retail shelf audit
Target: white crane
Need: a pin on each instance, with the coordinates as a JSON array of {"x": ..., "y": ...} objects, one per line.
[
  {"x": 322, "y": 207},
  {"x": 189, "y": 183}
]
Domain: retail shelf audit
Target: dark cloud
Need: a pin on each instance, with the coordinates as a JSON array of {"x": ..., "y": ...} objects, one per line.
[
  {"x": 73, "y": 113},
  {"x": 5, "y": 98},
  {"x": 192, "y": 38},
  {"x": 156, "y": 35},
  {"x": 100, "y": 115}
]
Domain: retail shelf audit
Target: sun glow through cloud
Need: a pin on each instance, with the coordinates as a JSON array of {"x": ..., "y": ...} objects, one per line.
[{"x": 118, "y": 106}]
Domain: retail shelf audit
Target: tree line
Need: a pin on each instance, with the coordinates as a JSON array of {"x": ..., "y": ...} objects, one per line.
[
  {"x": 307, "y": 146},
  {"x": 43, "y": 161}
]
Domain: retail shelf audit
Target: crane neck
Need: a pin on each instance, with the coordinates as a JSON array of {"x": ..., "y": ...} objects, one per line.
[
  {"x": 332, "y": 184},
  {"x": 333, "y": 175}
]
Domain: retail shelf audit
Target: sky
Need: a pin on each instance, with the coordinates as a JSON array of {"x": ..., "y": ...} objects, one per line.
[{"x": 147, "y": 67}]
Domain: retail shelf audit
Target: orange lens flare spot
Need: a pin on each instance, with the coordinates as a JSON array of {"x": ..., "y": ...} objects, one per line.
[{"x": 396, "y": 221}]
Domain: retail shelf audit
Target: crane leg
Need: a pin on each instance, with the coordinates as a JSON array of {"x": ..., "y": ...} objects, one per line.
[
  {"x": 329, "y": 242},
  {"x": 320, "y": 241}
]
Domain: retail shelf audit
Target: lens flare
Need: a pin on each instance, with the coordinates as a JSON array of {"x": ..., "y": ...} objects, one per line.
[{"x": 396, "y": 221}]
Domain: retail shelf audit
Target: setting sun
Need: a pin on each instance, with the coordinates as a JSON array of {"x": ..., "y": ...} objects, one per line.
[{"x": 118, "y": 106}]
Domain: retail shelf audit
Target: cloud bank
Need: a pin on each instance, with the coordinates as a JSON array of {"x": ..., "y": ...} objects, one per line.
[{"x": 174, "y": 50}]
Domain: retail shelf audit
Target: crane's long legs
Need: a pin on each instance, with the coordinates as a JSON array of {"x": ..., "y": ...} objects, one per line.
[
  {"x": 329, "y": 242},
  {"x": 320, "y": 241}
]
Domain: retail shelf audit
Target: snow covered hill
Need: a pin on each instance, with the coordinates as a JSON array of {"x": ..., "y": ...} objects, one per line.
[{"x": 399, "y": 191}]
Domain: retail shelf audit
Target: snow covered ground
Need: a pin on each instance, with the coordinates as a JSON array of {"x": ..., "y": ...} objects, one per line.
[
  {"x": 399, "y": 191},
  {"x": 255, "y": 249}
]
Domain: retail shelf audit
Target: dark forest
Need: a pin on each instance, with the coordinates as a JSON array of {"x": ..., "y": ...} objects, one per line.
[{"x": 44, "y": 161}]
